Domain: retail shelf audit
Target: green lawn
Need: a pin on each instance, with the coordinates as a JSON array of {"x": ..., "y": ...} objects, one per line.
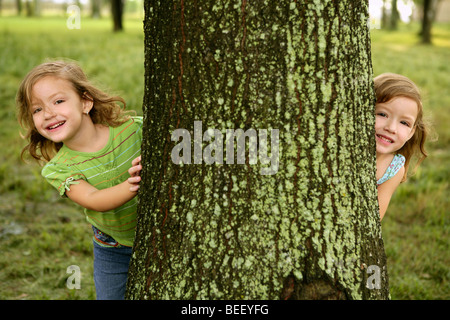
[{"x": 41, "y": 235}]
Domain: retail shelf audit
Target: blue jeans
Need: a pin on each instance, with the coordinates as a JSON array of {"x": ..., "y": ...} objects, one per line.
[{"x": 111, "y": 271}]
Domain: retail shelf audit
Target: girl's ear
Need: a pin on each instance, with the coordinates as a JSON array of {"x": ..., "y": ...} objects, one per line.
[{"x": 88, "y": 103}]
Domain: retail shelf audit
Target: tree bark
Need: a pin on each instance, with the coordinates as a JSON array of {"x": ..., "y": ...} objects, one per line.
[{"x": 308, "y": 229}]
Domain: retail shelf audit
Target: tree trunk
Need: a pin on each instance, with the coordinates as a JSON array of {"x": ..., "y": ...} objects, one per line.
[
  {"x": 300, "y": 224},
  {"x": 117, "y": 13},
  {"x": 389, "y": 15},
  {"x": 96, "y": 9},
  {"x": 395, "y": 16},
  {"x": 429, "y": 13},
  {"x": 29, "y": 8},
  {"x": 19, "y": 7},
  {"x": 384, "y": 16}
]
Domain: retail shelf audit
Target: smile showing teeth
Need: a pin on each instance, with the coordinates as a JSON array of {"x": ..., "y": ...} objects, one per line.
[
  {"x": 384, "y": 138},
  {"x": 56, "y": 125}
]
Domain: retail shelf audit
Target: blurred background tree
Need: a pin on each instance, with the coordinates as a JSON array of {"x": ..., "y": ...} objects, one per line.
[
  {"x": 424, "y": 10},
  {"x": 390, "y": 15},
  {"x": 96, "y": 8},
  {"x": 35, "y": 8},
  {"x": 429, "y": 10},
  {"x": 117, "y": 7}
]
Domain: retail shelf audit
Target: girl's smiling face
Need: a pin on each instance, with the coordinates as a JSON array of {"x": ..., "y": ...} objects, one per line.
[
  {"x": 394, "y": 123},
  {"x": 57, "y": 109}
]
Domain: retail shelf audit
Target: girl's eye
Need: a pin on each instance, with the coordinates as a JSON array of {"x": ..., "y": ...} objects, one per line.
[
  {"x": 36, "y": 110},
  {"x": 405, "y": 123},
  {"x": 59, "y": 101},
  {"x": 381, "y": 114}
]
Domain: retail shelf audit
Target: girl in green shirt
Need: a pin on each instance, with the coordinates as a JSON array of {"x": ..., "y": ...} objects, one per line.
[{"x": 89, "y": 143}]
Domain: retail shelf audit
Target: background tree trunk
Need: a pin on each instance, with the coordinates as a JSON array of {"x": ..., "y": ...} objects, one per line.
[
  {"x": 96, "y": 6},
  {"x": 389, "y": 15},
  {"x": 117, "y": 13},
  {"x": 19, "y": 7},
  {"x": 225, "y": 231},
  {"x": 29, "y": 7},
  {"x": 429, "y": 14},
  {"x": 395, "y": 16}
]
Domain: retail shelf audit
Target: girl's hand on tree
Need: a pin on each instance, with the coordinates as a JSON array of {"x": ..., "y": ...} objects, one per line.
[{"x": 135, "y": 172}]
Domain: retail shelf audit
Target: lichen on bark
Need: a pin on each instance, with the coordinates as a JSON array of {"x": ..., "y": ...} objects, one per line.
[{"x": 224, "y": 231}]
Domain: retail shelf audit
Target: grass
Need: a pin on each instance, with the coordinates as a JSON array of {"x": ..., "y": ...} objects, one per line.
[{"x": 41, "y": 235}]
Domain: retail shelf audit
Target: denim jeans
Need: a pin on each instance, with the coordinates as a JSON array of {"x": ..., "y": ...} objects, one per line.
[{"x": 111, "y": 271}]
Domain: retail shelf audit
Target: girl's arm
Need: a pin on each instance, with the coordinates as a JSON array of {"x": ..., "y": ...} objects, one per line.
[
  {"x": 107, "y": 199},
  {"x": 386, "y": 190}
]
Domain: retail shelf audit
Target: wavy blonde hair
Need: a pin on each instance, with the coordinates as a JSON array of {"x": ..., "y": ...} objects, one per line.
[
  {"x": 105, "y": 109},
  {"x": 389, "y": 86}
]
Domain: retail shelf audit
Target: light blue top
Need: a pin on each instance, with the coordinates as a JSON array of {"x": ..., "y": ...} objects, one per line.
[{"x": 396, "y": 164}]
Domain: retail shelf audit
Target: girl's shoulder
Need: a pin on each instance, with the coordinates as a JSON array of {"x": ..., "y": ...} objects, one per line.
[
  {"x": 138, "y": 122},
  {"x": 131, "y": 122},
  {"x": 398, "y": 161},
  {"x": 138, "y": 119}
]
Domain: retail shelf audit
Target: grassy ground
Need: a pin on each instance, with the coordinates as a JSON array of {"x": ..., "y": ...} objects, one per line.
[{"x": 41, "y": 235}]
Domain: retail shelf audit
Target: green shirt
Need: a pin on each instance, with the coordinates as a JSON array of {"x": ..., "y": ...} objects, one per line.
[{"x": 102, "y": 169}]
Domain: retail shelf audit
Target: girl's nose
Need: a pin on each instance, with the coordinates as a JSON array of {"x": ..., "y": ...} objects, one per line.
[
  {"x": 391, "y": 127},
  {"x": 48, "y": 113}
]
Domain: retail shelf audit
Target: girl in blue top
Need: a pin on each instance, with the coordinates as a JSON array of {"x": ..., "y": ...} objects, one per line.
[{"x": 400, "y": 132}]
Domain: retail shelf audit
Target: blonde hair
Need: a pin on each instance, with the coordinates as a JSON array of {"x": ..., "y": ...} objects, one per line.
[
  {"x": 105, "y": 110},
  {"x": 389, "y": 86}
]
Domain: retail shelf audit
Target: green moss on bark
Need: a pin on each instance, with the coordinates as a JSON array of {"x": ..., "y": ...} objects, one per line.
[{"x": 224, "y": 231}]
